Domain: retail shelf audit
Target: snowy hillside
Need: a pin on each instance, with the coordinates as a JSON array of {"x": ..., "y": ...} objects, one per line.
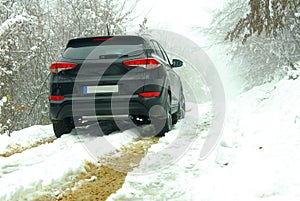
[{"x": 256, "y": 158}]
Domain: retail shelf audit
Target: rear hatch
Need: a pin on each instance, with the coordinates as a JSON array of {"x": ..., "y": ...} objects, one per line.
[{"x": 99, "y": 67}]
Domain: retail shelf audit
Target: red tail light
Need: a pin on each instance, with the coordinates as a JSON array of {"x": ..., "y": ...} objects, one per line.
[
  {"x": 57, "y": 98},
  {"x": 147, "y": 63},
  {"x": 57, "y": 67},
  {"x": 150, "y": 94}
]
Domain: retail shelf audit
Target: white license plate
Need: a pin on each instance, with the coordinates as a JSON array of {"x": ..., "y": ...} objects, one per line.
[{"x": 100, "y": 89}]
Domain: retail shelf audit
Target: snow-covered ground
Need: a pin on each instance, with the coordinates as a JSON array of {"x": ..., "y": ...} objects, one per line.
[
  {"x": 29, "y": 171},
  {"x": 25, "y": 137},
  {"x": 256, "y": 159}
]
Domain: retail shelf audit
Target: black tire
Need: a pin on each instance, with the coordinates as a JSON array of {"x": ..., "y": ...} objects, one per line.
[
  {"x": 167, "y": 119},
  {"x": 180, "y": 114},
  {"x": 61, "y": 127}
]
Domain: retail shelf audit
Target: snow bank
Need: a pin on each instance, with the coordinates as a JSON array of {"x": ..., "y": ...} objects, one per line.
[
  {"x": 25, "y": 137},
  {"x": 256, "y": 158}
]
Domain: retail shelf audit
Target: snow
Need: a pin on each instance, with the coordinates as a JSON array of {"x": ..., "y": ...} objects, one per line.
[
  {"x": 2, "y": 101},
  {"x": 25, "y": 137},
  {"x": 10, "y": 22},
  {"x": 256, "y": 158}
]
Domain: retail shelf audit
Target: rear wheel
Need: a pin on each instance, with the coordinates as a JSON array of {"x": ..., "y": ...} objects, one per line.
[
  {"x": 167, "y": 119},
  {"x": 181, "y": 110},
  {"x": 61, "y": 127}
]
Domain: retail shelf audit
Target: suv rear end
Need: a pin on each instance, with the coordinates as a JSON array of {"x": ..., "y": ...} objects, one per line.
[{"x": 108, "y": 78}]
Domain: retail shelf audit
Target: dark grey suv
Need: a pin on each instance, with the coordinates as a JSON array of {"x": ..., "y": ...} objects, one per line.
[{"x": 113, "y": 78}]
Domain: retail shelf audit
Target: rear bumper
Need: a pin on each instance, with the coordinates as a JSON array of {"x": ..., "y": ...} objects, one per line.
[{"x": 106, "y": 107}]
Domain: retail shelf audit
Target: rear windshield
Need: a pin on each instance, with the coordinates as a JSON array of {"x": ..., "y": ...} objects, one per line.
[{"x": 116, "y": 48}]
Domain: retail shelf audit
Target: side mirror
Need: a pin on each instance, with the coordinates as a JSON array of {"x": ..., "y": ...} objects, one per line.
[{"x": 176, "y": 63}]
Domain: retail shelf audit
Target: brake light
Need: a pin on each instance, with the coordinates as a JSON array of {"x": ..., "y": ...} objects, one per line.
[
  {"x": 57, "y": 98},
  {"x": 57, "y": 67},
  {"x": 147, "y": 63},
  {"x": 150, "y": 94},
  {"x": 102, "y": 39}
]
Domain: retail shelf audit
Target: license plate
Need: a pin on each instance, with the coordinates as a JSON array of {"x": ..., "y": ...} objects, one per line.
[{"x": 100, "y": 89}]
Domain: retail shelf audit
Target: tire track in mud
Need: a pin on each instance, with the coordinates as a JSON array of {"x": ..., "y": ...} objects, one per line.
[
  {"x": 17, "y": 148},
  {"x": 103, "y": 178}
]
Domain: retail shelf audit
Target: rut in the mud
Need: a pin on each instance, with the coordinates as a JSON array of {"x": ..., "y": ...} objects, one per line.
[{"x": 102, "y": 179}]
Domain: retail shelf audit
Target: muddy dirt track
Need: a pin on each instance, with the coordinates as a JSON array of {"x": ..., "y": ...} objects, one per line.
[{"x": 101, "y": 179}]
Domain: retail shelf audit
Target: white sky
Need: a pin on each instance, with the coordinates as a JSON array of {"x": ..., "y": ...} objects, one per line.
[{"x": 177, "y": 16}]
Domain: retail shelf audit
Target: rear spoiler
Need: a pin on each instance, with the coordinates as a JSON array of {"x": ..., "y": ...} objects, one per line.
[{"x": 106, "y": 40}]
